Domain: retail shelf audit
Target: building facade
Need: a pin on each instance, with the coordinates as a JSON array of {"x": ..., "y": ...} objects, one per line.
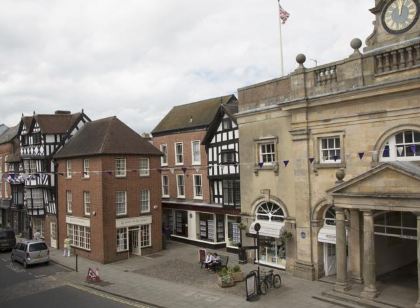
[
  {"x": 330, "y": 158},
  {"x": 109, "y": 192},
  {"x": 189, "y": 213},
  {"x": 40, "y": 137}
]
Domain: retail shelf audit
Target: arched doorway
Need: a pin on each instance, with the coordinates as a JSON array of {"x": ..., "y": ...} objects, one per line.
[{"x": 271, "y": 217}]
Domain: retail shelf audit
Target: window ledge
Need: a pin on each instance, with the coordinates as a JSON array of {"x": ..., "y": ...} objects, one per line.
[
  {"x": 274, "y": 168},
  {"x": 329, "y": 165}
]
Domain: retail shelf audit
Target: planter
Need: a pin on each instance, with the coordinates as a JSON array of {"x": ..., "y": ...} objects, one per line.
[
  {"x": 225, "y": 281},
  {"x": 238, "y": 276}
]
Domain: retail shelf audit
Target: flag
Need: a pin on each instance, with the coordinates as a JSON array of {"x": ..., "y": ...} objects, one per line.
[{"x": 284, "y": 15}]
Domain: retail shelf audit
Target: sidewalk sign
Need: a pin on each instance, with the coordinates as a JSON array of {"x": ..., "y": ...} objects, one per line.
[{"x": 93, "y": 276}]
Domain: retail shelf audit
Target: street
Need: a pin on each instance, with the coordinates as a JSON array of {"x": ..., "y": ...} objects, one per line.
[{"x": 40, "y": 286}]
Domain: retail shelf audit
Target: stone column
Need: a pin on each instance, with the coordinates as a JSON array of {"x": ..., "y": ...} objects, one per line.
[
  {"x": 355, "y": 247},
  {"x": 369, "y": 263},
  {"x": 341, "y": 284},
  {"x": 418, "y": 258}
]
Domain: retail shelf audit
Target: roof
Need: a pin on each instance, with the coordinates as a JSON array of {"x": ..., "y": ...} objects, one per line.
[
  {"x": 9, "y": 134},
  {"x": 3, "y": 128},
  {"x": 106, "y": 136},
  {"x": 52, "y": 123},
  {"x": 194, "y": 115}
]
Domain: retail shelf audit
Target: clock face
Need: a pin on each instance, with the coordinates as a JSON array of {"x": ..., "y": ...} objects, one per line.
[{"x": 400, "y": 15}]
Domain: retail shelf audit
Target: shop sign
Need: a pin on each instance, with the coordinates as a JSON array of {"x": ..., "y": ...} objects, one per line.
[
  {"x": 133, "y": 221},
  {"x": 85, "y": 222}
]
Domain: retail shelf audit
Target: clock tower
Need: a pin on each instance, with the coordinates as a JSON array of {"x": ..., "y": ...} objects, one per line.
[{"x": 396, "y": 21}]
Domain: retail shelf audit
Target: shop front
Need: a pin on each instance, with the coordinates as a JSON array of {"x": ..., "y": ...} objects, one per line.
[
  {"x": 134, "y": 234},
  {"x": 272, "y": 246}
]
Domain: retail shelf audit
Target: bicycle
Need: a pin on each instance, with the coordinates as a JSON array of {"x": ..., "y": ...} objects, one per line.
[{"x": 267, "y": 280}]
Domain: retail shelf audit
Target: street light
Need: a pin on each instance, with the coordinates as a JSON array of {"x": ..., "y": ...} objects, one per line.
[{"x": 257, "y": 228}]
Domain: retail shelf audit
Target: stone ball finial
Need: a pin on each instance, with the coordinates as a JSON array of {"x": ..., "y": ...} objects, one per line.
[
  {"x": 356, "y": 43},
  {"x": 340, "y": 174},
  {"x": 300, "y": 58}
]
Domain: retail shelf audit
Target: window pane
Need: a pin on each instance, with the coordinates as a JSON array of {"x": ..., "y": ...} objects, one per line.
[
  {"x": 399, "y": 138},
  {"x": 408, "y": 136}
]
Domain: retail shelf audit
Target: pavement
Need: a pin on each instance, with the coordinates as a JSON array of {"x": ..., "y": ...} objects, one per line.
[{"x": 173, "y": 278}]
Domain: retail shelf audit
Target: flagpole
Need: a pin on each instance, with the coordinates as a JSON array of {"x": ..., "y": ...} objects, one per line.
[{"x": 281, "y": 49}]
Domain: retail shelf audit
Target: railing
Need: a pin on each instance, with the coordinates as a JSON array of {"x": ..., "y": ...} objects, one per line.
[
  {"x": 325, "y": 75},
  {"x": 395, "y": 60}
]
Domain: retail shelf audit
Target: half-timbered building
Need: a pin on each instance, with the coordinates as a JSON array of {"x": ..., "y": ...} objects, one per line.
[
  {"x": 41, "y": 136},
  {"x": 189, "y": 211},
  {"x": 222, "y": 147}
]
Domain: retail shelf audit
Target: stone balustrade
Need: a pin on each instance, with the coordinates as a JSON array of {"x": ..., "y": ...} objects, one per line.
[
  {"x": 399, "y": 59},
  {"x": 325, "y": 75}
]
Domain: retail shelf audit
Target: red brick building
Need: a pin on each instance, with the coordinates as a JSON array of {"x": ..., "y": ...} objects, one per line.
[
  {"x": 189, "y": 211},
  {"x": 109, "y": 201}
]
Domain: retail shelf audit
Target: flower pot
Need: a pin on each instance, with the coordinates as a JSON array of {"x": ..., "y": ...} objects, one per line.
[
  {"x": 225, "y": 281},
  {"x": 238, "y": 276}
]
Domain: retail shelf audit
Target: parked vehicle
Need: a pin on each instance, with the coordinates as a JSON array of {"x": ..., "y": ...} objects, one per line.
[
  {"x": 30, "y": 252},
  {"x": 7, "y": 239}
]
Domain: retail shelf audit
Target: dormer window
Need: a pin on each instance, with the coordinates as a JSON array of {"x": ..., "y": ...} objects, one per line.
[{"x": 404, "y": 146}]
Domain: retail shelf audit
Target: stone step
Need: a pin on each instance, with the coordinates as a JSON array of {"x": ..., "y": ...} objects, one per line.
[
  {"x": 336, "y": 302},
  {"x": 349, "y": 300}
]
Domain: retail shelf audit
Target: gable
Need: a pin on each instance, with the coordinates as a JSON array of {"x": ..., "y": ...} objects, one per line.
[{"x": 387, "y": 181}]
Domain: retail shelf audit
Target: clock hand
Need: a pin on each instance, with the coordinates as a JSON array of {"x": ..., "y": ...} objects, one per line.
[{"x": 400, "y": 6}]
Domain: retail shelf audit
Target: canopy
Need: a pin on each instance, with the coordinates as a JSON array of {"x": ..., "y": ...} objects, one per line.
[{"x": 270, "y": 229}]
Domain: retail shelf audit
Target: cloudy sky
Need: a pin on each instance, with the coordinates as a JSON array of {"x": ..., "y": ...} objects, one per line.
[{"x": 138, "y": 58}]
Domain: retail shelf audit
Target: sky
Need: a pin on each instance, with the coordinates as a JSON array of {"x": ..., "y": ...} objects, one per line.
[{"x": 136, "y": 59}]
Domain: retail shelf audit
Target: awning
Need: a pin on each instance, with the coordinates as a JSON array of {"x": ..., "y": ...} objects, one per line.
[
  {"x": 270, "y": 229},
  {"x": 328, "y": 234}
]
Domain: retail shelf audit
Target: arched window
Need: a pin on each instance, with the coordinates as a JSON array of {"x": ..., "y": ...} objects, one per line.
[
  {"x": 329, "y": 218},
  {"x": 404, "y": 146},
  {"x": 270, "y": 211}
]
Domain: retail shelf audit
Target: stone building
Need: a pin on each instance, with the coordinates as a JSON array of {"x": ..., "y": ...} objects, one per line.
[
  {"x": 108, "y": 192},
  {"x": 330, "y": 155},
  {"x": 190, "y": 211}
]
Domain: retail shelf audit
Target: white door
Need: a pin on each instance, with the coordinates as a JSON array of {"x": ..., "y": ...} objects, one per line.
[
  {"x": 330, "y": 265},
  {"x": 53, "y": 233},
  {"x": 134, "y": 234}
]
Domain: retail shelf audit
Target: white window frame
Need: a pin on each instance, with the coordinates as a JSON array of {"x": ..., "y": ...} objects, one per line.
[
  {"x": 79, "y": 236},
  {"x": 393, "y": 148},
  {"x": 178, "y": 186},
  {"x": 144, "y": 170},
  {"x": 193, "y": 160},
  {"x": 163, "y": 186},
  {"x": 195, "y": 186},
  {"x": 179, "y": 154},
  {"x": 262, "y": 154},
  {"x": 68, "y": 169},
  {"x": 86, "y": 171},
  {"x": 145, "y": 201},
  {"x": 120, "y": 199},
  {"x": 87, "y": 204},
  {"x": 120, "y": 167},
  {"x": 69, "y": 201},
  {"x": 330, "y": 160},
  {"x": 164, "y": 157},
  {"x": 122, "y": 241},
  {"x": 145, "y": 231}
]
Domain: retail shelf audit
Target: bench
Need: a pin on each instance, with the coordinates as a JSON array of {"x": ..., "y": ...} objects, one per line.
[{"x": 224, "y": 260}]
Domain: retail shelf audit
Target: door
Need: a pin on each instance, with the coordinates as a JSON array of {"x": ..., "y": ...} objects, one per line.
[
  {"x": 53, "y": 232},
  {"x": 134, "y": 239},
  {"x": 330, "y": 265}
]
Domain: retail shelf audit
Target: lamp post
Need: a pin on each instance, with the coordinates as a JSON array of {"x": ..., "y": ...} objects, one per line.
[{"x": 257, "y": 228}]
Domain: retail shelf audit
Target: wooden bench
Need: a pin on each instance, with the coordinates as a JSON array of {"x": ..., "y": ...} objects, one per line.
[{"x": 224, "y": 260}]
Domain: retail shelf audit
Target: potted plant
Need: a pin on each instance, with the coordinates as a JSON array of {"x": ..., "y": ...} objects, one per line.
[
  {"x": 237, "y": 274},
  {"x": 224, "y": 278}
]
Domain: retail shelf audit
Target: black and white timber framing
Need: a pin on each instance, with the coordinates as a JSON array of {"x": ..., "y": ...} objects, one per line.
[
  {"x": 222, "y": 145},
  {"x": 37, "y": 147}
]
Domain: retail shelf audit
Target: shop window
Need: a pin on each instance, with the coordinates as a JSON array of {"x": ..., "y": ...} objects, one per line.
[
  {"x": 181, "y": 223},
  {"x": 145, "y": 236},
  {"x": 404, "y": 146},
  {"x": 122, "y": 240},
  {"x": 234, "y": 232},
  {"x": 79, "y": 236},
  {"x": 207, "y": 227}
]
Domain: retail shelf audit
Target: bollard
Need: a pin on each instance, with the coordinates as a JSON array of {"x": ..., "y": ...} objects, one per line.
[{"x": 77, "y": 265}]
